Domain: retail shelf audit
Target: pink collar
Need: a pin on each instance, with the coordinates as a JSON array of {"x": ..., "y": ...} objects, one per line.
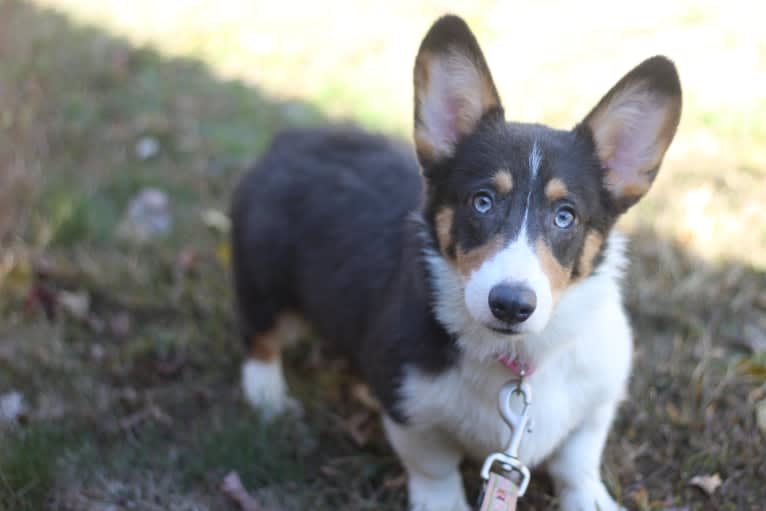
[{"x": 517, "y": 365}]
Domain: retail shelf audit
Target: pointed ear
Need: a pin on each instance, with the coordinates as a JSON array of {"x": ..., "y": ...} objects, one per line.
[
  {"x": 453, "y": 89},
  {"x": 632, "y": 127}
]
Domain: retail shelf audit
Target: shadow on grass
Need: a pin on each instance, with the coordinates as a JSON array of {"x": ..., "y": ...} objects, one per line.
[{"x": 134, "y": 402}]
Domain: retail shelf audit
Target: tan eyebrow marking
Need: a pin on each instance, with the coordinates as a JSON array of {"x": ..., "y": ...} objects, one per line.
[
  {"x": 503, "y": 181},
  {"x": 556, "y": 189}
]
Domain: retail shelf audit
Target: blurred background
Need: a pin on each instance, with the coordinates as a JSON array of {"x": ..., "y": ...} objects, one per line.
[{"x": 125, "y": 125}]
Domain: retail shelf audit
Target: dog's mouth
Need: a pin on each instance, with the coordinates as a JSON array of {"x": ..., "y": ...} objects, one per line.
[{"x": 505, "y": 330}]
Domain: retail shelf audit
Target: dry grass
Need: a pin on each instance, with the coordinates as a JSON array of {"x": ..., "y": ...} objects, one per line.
[{"x": 134, "y": 403}]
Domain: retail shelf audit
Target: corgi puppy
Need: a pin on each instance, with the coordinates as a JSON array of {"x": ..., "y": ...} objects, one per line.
[{"x": 444, "y": 274}]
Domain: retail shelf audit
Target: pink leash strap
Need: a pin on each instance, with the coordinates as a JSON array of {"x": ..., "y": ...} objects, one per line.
[
  {"x": 500, "y": 494},
  {"x": 501, "y": 491}
]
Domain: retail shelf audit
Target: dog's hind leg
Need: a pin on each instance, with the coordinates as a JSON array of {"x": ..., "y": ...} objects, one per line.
[{"x": 263, "y": 380}]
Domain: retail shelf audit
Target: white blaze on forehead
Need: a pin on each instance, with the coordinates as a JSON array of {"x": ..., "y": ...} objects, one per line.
[{"x": 535, "y": 157}]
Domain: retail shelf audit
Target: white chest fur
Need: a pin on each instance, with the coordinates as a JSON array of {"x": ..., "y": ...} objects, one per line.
[{"x": 583, "y": 362}]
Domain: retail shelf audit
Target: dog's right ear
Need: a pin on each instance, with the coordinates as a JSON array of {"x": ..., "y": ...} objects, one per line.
[{"x": 453, "y": 89}]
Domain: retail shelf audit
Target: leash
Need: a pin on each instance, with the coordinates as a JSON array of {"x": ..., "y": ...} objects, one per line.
[{"x": 505, "y": 477}]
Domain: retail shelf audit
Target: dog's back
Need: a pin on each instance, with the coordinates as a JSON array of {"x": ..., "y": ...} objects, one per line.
[{"x": 318, "y": 211}]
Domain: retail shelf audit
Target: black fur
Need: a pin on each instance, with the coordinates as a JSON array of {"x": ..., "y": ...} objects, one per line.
[{"x": 320, "y": 227}]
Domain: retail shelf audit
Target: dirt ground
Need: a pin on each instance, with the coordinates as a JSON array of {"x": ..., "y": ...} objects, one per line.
[{"x": 124, "y": 353}]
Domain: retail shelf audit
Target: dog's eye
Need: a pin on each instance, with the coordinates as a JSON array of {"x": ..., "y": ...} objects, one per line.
[
  {"x": 565, "y": 217},
  {"x": 482, "y": 202}
]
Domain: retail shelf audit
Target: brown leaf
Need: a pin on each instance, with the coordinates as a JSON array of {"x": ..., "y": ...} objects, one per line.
[
  {"x": 359, "y": 427},
  {"x": 674, "y": 414},
  {"x": 233, "y": 488},
  {"x": 707, "y": 483},
  {"x": 362, "y": 394},
  {"x": 42, "y": 296}
]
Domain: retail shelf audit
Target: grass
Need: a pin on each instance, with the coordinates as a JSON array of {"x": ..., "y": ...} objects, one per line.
[
  {"x": 134, "y": 403},
  {"x": 28, "y": 467}
]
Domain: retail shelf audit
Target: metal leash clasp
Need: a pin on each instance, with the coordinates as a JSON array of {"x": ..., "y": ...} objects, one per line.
[{"x": 509, "y": 459}]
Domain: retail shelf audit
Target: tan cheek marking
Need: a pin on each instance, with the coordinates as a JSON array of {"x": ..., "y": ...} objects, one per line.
[
  {"x": 593, "y": 242},
  {"x": 503, "y": 181},
  {"x": 467, "y": 262},
  {"x": 558, "y": 275},
  {"x": 556, "y": 189},
  {"x": 443, "y": 223}
]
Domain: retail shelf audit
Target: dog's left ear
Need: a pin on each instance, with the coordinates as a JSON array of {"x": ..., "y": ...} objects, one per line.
[
  {"x": 632, "y": 127},
  {"x": 453, "y": 90}
]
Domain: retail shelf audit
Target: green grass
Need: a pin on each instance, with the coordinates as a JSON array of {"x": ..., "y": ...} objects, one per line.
[
  {"x": 29, "y": 464},
  {"x": 150, "y": 415}
]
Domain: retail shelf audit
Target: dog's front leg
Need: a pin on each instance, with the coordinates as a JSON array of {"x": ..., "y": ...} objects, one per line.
[
  {"x": 575, "y": 467},
  {"x": 431, "y": 461}
]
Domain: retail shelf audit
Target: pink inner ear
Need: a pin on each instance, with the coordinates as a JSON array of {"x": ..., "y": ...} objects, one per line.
[
  {"x": 628, "y": 140},
  {"x": 439, "y": 115},
  {"x": 452, "y": 103}
]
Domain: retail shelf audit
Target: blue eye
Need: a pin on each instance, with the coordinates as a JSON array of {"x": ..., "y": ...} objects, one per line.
[
  {"x": 482, "y": 202},
  {"x": 565, "y": 217}
]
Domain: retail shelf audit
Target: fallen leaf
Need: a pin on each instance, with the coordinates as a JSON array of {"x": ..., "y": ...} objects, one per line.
[
  {"x": 754, "y": 366},
  {"x": 223, "y": 254},
  {"x": 707, "y": 483},
  {"x": 640, "y": 497},
  {"x": 12, "y": 406},
  {"x": 147, "y": 147},
  {"x": 233, "y": 488},
  {"x": 760, "y": 415},
  {"x": 359, "y": 427},
  {"x": 216, "y": 220},
  {"x": 674, "y": 414},
  {"x": 362, "y": 394},
  {"x": 76, "y": 305},
  {"x": 754, "y": 338},
  {"x": 41, "y": 296}
]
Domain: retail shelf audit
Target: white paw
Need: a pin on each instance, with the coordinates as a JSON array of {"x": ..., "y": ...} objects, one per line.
[
  {"x": 266, "y": 391},
  {"x": 594, "y": 498}
]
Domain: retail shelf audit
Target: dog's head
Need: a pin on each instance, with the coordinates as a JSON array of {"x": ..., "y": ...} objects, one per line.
[{"x": 521, "y": 212}]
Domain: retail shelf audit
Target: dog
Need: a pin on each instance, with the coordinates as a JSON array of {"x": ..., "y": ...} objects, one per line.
[{"x": 443, "y": 274}]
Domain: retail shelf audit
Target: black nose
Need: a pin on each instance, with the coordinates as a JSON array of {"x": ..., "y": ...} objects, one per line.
[{"x": 512, "y": 304}]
